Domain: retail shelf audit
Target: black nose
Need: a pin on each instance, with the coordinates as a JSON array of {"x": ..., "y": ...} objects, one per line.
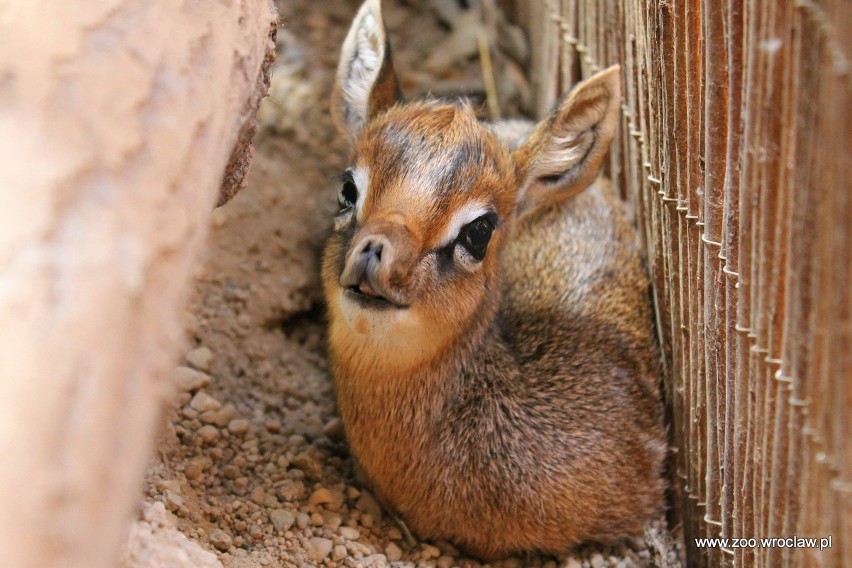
[{"x": 372, "y": 250}]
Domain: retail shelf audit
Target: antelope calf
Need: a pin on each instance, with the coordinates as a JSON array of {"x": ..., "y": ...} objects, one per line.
[{"x": 489, "y": 328}]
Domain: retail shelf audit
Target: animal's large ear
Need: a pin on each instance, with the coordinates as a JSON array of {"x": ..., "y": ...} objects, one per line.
[
  {"x": 366, "y": 81},
  {"x": 564, "y": 152}
]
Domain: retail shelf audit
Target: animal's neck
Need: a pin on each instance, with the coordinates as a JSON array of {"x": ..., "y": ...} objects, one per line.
[{"x": 426, "y": 360}]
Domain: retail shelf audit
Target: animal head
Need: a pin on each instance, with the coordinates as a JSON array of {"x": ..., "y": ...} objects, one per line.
[{"x": 431, "y": 195}]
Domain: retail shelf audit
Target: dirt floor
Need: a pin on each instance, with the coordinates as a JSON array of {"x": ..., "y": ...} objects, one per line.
[{"x": 252, "y": 469}]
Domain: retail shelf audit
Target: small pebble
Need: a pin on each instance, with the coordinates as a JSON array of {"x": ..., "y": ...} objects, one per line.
[
  {"x": 306, "y": 462},
  {"x": 302, "y": 520},
  {"x": 282, "y": 519},
  {"x": 290, "y": 490},
  {"x": 393, "y": 552},
  {"x": 349, "y": 533},
  {"x": 368, "y": 504},
  {"x": 320, "y": 497},
  {"x": 238, "y": 426},
  {"x": 430, "y": 551},
  {"x": 200, "y": 358},
  {"x": 318, "y": 549},
  {"x": 187, "y": 379},
  {"x": 221, "y": 417},
  {"x": 220, "y": 540},
  {"x": 203, "y": 402},
  {"x": 208, "y": 433},
  {"x": 258, "y": 496},
  {"x": 173, "y": 501},
  {"x": 597, "y": 561},
  {"x": 331, "y": 520},
  {"x": 339, "y": 552}
]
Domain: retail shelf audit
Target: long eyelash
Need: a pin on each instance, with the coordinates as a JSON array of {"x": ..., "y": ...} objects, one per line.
[{"x": 344, "y": 176}]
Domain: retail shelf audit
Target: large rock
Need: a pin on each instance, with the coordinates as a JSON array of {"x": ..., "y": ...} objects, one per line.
[{"x": 117, "y": 125}]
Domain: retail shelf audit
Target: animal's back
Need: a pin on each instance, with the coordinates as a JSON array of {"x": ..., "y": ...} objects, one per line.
[
  {"x": 578, "y": 265},
  {"x": 576, "y": 314}
]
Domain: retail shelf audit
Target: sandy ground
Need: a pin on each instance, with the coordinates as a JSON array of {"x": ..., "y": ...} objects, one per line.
[{"x": 252, "y": 469}]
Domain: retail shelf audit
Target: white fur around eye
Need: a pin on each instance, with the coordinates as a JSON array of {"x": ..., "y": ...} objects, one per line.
[
  {"x": 361, "y": 177},
  {"x": 464, "y": 260},
  {"x": 460, "y": 218}
]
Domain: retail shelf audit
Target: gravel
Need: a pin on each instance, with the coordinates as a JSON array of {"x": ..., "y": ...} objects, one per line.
[{"x": 252, "y": 468}]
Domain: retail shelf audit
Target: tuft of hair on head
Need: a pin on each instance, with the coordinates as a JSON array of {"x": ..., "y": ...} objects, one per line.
[
  {"x": 366, "y": 82},
  {"x": 563, "y": 154}
]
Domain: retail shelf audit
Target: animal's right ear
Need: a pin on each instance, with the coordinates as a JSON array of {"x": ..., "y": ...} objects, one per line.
[
  {"x": 366, "y": 81},
  {"x": 562, "y": 155}
]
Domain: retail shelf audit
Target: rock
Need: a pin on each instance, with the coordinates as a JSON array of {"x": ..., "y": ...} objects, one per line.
[
  {"x": 282, "y": 519},
  {"x": 172, "y": 500},
  {"x": 375, "y": 561},
  {"x": 393, "y": 552},
  {"x": 220, "y": 539},
  {"x": 154, "y": 541},
  {"x": 302, "y": 520},
  {"x": 368, "y": 504},
  {"x": 238, "y": 426},
  {"x": 203, "y": 402},
  {"x": 572, "y": 563},
  {"x": 306, "y": 462},
  {"x": 349, "y": 533},
  {"x": 352, "y": 493},
  {"x": 431, "y": 551},
  {"x": 290, "y": 490},
  {"x": 258, "y": 496},
  {"x": 331, "y": 521},
  {"x": 445, "y": 562},
  {"x": 597, "y": 561},
  {"x": 200, "y": 358},
  {"x": 338, "y": 552},
  {"x": 208, "y": 433},
  {"x": 193, "y": 470},
  {"x": 187, "y": 379},
  {"x": 320, "y": 497},
  {"x": 318, "y": 548},
  {"x": 221, "y": 417}
]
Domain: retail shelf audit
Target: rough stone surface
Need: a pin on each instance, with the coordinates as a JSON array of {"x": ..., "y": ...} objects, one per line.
[{"x": 118, "y": 121}]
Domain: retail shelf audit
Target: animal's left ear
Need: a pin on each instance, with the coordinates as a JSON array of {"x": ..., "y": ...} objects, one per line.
[
  {"x": 366, "y": 81},
  {"x": 563, "y": 154}
]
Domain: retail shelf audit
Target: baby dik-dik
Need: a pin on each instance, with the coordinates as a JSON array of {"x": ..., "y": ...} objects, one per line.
[{"x": 489, "y": 328}]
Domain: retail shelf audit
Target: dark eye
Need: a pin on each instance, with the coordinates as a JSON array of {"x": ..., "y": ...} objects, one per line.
[
  {"x": 476, "y": 235},
  {"x": 348, "y": 192}
]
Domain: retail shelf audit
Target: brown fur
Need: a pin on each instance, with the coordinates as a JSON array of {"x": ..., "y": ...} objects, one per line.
[{"x": 513, "y": 407}]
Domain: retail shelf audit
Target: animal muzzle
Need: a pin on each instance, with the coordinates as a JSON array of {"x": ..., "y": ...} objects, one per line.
[{"x": 380, "y": 263}]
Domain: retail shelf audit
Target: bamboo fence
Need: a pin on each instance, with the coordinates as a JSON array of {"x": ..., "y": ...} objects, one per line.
[{"x": 734, "y": 126}]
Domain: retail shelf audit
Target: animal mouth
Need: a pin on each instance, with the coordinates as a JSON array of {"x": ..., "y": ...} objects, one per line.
[{"x": 367, "y": 297}]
